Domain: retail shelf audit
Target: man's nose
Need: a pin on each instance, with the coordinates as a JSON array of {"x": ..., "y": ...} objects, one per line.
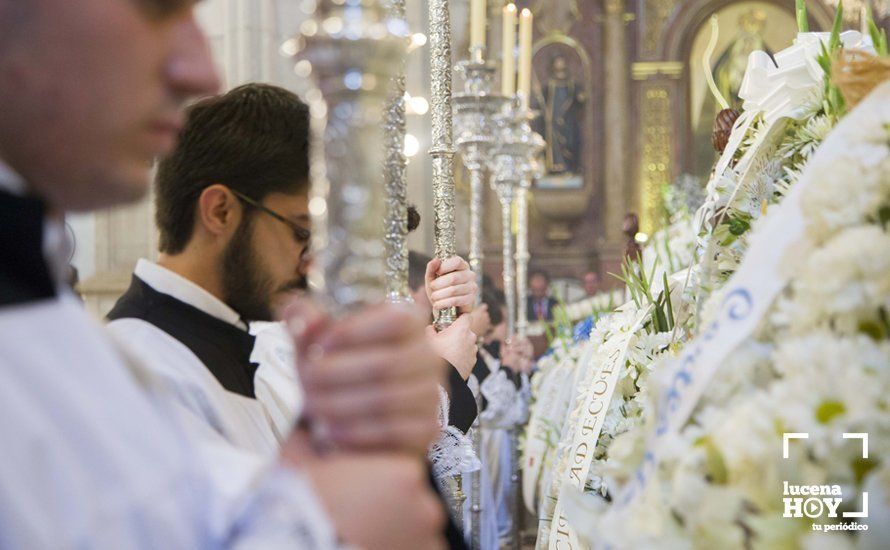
[
  {"x": 305, "y": 262},
  {"x": 190, "y": 70}
]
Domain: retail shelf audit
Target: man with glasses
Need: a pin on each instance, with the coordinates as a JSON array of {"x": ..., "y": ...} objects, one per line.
[{"x": 233, "y": 221}]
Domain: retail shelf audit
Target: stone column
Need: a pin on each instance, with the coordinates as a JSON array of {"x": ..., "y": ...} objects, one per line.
[{"x": 619, "y": 194}]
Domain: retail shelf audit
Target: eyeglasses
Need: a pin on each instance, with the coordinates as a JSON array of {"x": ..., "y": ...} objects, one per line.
[{"x": 301, "y": 234}]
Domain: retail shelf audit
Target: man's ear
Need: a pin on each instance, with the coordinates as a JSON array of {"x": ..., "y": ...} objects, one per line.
[{"x": 219, "y": 210}]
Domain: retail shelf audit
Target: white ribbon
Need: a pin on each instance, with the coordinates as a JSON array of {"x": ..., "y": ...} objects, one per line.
[
  {"x": 781, "y": 89},
  {"x": 599, "y": 387}
]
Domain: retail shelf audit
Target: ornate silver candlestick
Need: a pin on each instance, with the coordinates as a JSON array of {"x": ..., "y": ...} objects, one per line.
[
  {"x": 505, "y": 179},
  {"x": 515, "y": 168},
  {"x": 353, "y": 49},
  {"x": 473, "y": 109},
  {"x": 442, "y": 151},
  {"x": 394, "y": 173},
  {"x": 528, "y": 145}
]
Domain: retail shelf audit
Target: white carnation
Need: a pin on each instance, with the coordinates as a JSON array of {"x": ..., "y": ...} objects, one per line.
[
  {"x": 827, "y": 206},
  {"x": 844, "y": 283}
]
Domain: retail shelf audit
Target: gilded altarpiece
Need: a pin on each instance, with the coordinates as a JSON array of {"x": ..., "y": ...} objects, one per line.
[{"x": 628, "y": 78}]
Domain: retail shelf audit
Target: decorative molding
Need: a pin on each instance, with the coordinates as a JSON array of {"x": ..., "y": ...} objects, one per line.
[{"x": 644, "y": 70}]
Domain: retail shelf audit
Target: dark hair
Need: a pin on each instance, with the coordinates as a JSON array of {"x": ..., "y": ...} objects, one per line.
[
  {"x": 413, "y": 218},
  {"x": 494, "y": 299},
  {"x": 417, "y": 269},
  {"x": 540, "y": 272},
  {"x": 253, "y": 139}
]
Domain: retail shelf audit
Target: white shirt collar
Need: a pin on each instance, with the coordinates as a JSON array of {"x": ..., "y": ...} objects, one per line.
[
  {"x": 167, "y": 282},
  {"x": 10, "y": 180}
]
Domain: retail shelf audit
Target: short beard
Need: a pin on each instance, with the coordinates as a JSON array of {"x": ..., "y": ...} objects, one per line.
[{"x": 246, "y": 288}]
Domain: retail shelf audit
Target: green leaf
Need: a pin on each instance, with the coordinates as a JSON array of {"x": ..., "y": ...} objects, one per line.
[
  {"x": 835, "y": 41},
  {"x": 670, "y": 306},
  {"x": 803, "y": 25},
  {"x": 872, "y": 329},
  {"x": 862, "y": 467},
  {"x": 829, "y": 410},
  {"x": 738, "y": 226},
  {"x": 714, "y": 463}
]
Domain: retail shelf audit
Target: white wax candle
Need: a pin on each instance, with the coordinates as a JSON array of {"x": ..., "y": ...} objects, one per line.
[
  {"x": 477, "y": 24},
  {"x": 508, "y": 67},
  {"x": 525, "y": 55}
]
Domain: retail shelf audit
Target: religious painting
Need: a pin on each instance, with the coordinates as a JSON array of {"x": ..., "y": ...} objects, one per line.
[
  {"x": 745, "y": 27},
  {"x": 556, "y": 17},
  {"x": 561, "y": 97}
]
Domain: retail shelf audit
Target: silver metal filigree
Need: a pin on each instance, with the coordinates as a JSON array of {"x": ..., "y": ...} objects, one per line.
[
  {"x": 354, "y": 49},
  {"x": 442, "y": 151},
  {"x": 395, "y": 233},
  {"x": 473, "y": 111},
  {"x": 515, "y": 166}
]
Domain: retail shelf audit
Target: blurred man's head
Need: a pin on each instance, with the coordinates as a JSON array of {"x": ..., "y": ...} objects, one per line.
[
  {"x": 591, "y": 283},
  {"x": 488, "y": 314},
  {"x": 234, "y": 195},
  {"x": 92, "y": 91},
  {"x": 417, "y": 279},
  {"x": 493, "y": 319},
  {"x": 539, "y": 283}
]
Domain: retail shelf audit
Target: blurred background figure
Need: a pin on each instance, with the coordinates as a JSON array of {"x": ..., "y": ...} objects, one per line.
[
  {"x": 592, "y": 283},
  {"x": 539, "y": 305}
]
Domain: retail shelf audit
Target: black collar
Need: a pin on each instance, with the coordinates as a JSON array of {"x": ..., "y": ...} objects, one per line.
[
  {"x": 24, "y": 274},
  {"x": 223, "y": 348}
]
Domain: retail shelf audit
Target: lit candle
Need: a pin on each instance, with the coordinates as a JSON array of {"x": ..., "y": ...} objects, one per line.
[
  {"x": 525, "y": 56},
  {"x": 508, "y": 67},
  {"x": 477, "y": 25}
]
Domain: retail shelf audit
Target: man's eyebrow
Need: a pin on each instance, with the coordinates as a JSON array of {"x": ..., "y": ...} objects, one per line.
[{"x": 165, "y": 8}]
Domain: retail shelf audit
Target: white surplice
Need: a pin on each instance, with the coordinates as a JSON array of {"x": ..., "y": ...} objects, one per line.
[
  {"x": 241, "y": 420},
  {"x": 98, "y": 452},
  {"x": 276, "y": 382}
]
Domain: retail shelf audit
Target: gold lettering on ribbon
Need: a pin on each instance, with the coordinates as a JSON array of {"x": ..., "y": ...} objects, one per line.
[{"x": 599, "y": 394}]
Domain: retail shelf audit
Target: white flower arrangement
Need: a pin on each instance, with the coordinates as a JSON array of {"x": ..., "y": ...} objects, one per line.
[
  {"x": 716, "y": 483},
  {"x": 819, "y": 364}
]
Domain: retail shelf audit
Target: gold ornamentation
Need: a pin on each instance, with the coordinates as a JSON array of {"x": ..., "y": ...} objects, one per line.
[{"x": 656, "y": 153}]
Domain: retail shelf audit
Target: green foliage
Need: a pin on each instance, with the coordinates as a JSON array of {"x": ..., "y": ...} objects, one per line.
[
  {"x": 639, "y": 284},
  {"x": 828, "y": 410},
  {"x": 714, "y": 462},
  {"x": 739, "y": 224},
  {"x": 862, "y": 467},
  {"x": 834, "y": 100},
  {"x": 803, "y": 25},
  {"x": 878, "y": 36}
]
